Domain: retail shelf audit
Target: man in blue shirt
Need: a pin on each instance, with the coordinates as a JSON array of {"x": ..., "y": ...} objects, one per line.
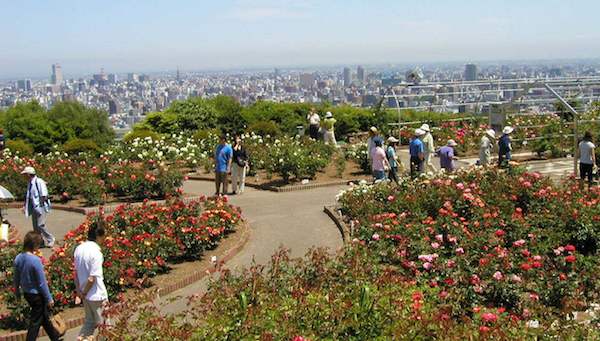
[
  {"x": 504, "y": 147},
  {"x": 223, "y": 157},
  {"x": 417, "y": 153}
]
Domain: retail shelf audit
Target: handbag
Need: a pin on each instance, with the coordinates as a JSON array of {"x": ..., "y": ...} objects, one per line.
[{"x": 59, "y": 324}]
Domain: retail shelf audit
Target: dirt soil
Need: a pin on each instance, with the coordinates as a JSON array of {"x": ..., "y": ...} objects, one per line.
[{"x": 178, "y": 271}]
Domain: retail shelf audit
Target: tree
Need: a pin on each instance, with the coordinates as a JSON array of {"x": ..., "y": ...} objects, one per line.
[{"x": 229, "y": 114}]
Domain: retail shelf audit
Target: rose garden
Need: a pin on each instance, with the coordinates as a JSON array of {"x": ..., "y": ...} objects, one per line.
[{"x": 480, "y": 254}]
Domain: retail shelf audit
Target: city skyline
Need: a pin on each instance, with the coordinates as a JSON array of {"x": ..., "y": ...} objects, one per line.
[{"x": 128, "y": 37}]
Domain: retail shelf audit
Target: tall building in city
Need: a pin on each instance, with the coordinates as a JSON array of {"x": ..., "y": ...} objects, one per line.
[
  {"x": 112, "y": 78},
  {"x": 361, "y": 75},
  {"x": 307, "y": 80},
  {"x": 57, "y": 76},
  {"x": 470, "y": 72},
  {"x": 347, "y": 76},
  {"x": 24, "y": 84}
]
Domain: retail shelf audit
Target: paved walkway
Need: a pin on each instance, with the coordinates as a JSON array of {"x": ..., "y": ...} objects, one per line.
[{"x": 294, "y": 220}]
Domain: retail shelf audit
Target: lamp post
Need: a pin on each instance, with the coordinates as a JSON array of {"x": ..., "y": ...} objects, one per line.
[{"x": 575, "y": 117}]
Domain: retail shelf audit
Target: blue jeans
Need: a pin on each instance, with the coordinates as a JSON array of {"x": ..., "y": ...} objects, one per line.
[{"x": 379, "y": 175}]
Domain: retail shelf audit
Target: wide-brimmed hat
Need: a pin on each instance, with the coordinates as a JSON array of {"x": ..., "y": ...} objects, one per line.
[
  {"x": 328, "y": 114},
  {"x": 425, "y": 127},
  {"x": 452, "y": 143},
  {"x": 28, "y": 170},
  {"x": 491, "y": 133},
  {"x": 507, "y": 130},
  {"x": 392, "y": 139},
  {"x": 419, "y": 132},
  {"x": 373, "y": 130}
]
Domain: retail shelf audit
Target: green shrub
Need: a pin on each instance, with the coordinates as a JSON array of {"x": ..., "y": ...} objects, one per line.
[
  {"x": 77, "y": 146},
  {"x": 264, "y": 128},
  {"x": 20, "y": 147},
  {"x": 141, "y": 134},
  {"x": 206, "y": 134}
]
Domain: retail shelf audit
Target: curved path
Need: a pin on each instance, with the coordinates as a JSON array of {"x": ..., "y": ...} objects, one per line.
[{"x": 294, "y": 220}]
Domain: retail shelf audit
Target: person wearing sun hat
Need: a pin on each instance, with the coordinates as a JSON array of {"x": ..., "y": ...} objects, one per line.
[
  {"x": 373, "y": 136},
  {"x": 447, "y": 156},
  {"x": 417, "y": 153},
  {"x": 328, "y": 129},
  {"x": 392, "y": 158},
  {"x": 429, "y": 148},
  {"x": 505, "y": 147},
  {"x": 486, "y": 146},
  {"x": 37, "y": 204}
]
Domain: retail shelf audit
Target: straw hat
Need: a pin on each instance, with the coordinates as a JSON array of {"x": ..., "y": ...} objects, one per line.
[
  {"x": 491, "y": 133},
  {"x": 28, "y": 170},
  {"x": 425, "y": 127},
  {"x": 373, "y": 130},
  {"x": 419, "y": 132},
  {"x": 507, "y": 130}
]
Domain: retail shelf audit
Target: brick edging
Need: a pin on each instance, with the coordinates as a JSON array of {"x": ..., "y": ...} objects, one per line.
[
  {"x": 291, "y": 188},
  {"x": 165, "y": 290},
  {"x": 331, "y": 211}
]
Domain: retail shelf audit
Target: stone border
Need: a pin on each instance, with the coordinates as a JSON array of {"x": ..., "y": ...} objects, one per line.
[
  {"x": 165, "y": 290},
  {"x": 291, "y": 188},
  {"x": 334, "y": 213}
]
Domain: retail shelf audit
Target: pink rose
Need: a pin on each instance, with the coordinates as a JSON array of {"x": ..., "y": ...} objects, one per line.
[
  {"x": 460, "y": 251},
  {"x": 519, "y": 243},
  {"x": 489, "y": 317},
  {"x": 435, "y": 245},
  {"x": 375, "y": 236},
  {"x": 427, "y": 266},
  {"x": 498, "y": 276}
]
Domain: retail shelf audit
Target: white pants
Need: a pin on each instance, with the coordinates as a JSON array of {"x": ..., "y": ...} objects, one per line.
[
  {"x": 93, "y": 317},
  {"x": 329, "y": 137},
  {"x": 428, "y": 165},
  {"x": 238, "y": 178}
]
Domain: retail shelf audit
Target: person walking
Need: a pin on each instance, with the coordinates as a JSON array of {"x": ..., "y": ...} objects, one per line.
[
  {"x": 380, "y": 163},
  {"x": 314, "y": 122},
  {"x": 392, "y": 158},
  {"x": 89, "y": 279},
  {"x": 29, "y": 280},
  {"x": 586, "y": 153},
  {"x": 223, "y": 158},
  {"x": 429, "y": 148},
  {"x": 239, "y": 166},
  {"x": 329, "y": 129},
  {"x": 486, "y": 146},
  {"x": 37, "y": 205},
  {"x": 2, "y": 140},
  {"x": 373, "y": 136},
  {"x": 505, "y": 147},
  {"x": 447, "y": 157},
  {"x": 417, "y": 153}
]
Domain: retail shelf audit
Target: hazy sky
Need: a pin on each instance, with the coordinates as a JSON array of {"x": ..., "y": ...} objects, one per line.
[{"x": 154, "y": 35}]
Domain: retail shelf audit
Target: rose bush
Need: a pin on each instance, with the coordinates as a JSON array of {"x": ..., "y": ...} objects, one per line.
[
  {"x": 510, "y": 241},
  {"x": 140, "y": 243}
]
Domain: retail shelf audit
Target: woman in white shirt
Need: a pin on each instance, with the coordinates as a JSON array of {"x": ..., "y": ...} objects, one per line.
[{"x": 587, "y": 160}]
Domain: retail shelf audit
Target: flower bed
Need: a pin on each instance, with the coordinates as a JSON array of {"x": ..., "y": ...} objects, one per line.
[
  {"x": 141, "y": 242},
  {"x": 512, "y": 242}
]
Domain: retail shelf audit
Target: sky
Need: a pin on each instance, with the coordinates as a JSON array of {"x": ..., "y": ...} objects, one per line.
[{"x": 156, "y": 35}]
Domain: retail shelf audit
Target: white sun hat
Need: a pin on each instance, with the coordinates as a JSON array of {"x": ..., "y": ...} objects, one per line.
[
  {"x": 491, "y": 133},
  {"x": 452, "y": 143},
  {"x": 328, "y": 114},
  {"x": 419, "y": 132},
  {"x": 507, "y": 130},
  {"x": 392, "y": 139},
  {"x": 425, "y": 127},
  {"x": 28, "y": 170}
]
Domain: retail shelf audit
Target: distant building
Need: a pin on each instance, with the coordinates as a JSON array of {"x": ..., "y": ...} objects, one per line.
[
  {"x": 112, "y": 78},
  {"x": 391, "y": 81},
  {"x": 113, "y": 107},
  {"x": 132, "y": 77},
  {"x": 24, "y": 84},
  {"x": 347, "y": 77},
  {"x": 57, "y": 76},
  {"x": 144, "y": 78},
  {"x": 361, "y": 75},
  {"x": 470, "y": 72},
  {"x": 307, "y": 80}
]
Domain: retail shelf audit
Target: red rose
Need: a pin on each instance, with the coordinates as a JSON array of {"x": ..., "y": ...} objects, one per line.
[
  {"x": 570, "y": 259},
  {"x": 570, "y": 248},
  {"x": 500, "y": 233}
]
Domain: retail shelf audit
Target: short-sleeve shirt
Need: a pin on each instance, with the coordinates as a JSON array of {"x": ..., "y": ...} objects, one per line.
[
  {"x": 447, "y": 158},
  {"x": 223, "y": 154},
  {"x": 328, "y": 124},
  {"x": 585, "y": 152},
  {"x": 88, "y": 263},
  {"x": 504, "y": 145},
  {"x": 416, "y": 147},
  {"x": 391, "y": 156},
  {"x": 378, "y": 156},
  {"x": 314, "y": 119}
]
